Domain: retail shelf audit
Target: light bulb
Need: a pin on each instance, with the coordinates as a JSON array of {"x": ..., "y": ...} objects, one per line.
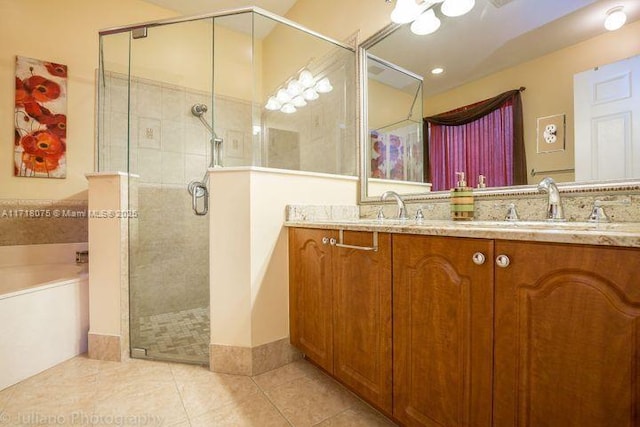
[
  {"x": 294, "y": 88},
  {"x": 298, "y": 101},
  {"x": 306, "y": 78},
  {"x": 310, "y": 94},
  {"x": 273, "y": 104},
  {"x": 283, "y": 96},
  {"x": 437, "y": 70},
  {"x": 288, "y": 108},
  {"x": 615, "y": 19},
  {"x": 323, "y": 86},
  {"x": 405, "y": 11},
  {"x": 426, "y": 23},
  {"x": 457, "y": 7}
]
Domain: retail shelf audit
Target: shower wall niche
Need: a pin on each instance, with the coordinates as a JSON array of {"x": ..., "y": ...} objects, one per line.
[{"x": 243, "y": 66}]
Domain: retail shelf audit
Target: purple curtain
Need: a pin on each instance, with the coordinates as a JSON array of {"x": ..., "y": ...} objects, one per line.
[{"x": 485, "y": 138}]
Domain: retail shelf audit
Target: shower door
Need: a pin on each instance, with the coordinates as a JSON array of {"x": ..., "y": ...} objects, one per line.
[{"x": 170, "y": 71}]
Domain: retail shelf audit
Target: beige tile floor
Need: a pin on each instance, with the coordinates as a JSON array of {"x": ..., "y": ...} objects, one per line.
[{"x": 82, "y": 391}]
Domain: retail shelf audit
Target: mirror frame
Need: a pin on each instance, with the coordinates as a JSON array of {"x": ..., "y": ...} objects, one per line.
[{"x": 603, "y": 186}]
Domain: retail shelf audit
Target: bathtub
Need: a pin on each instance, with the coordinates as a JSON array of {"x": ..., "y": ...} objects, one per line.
[{"x": 44, "y": 308}]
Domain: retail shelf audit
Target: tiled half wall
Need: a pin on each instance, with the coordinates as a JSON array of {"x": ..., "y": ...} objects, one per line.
[{"x": 30, "y": 222}]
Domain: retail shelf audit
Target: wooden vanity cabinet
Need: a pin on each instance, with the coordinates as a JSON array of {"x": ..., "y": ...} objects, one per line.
[
  {"x": 340, "y": 308},
  {"x": 311, "y": 294},
  {"x": 567, "y": 336},
  {"x": 485, "y": 333},
  {"x": 442, "y": 330}
]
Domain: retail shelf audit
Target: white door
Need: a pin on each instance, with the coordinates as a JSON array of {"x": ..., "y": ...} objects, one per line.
[{"x": 607, "y": 121}]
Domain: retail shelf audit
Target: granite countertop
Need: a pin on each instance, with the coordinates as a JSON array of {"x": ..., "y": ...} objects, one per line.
[{"x": 626, "y": 234}]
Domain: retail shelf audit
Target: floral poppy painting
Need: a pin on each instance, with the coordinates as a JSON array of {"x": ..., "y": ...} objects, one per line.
[{"x": 40, "y": 144}]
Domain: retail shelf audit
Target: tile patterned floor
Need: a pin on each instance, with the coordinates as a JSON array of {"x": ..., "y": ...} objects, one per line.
[
  {"x": 182, "y": 335},
  {"x": 85, "y": 392}
]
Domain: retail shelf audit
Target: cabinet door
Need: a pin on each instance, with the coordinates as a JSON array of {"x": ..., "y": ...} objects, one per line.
[
  {"x": 310, "y": 294},
  {"x": 567, "y": 335},
  {"x": 362, "y": 318},
  {"x": 442, "y": 331}
]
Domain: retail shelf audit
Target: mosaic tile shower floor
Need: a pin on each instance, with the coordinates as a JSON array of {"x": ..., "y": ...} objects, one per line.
[{"x": 181, "y": 335}]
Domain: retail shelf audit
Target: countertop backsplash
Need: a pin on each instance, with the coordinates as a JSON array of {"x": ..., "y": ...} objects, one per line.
[{"x": 621, "y": 207}]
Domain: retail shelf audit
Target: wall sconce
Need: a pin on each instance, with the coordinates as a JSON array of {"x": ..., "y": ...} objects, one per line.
[
  {"x": 423, "y": 15},
  {"x": 615, "y": 19},
  {"x": 297, "y": 92}
]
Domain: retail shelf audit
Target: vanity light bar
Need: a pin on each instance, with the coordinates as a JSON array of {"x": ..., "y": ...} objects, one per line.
[{"x": 297, "y": 92}]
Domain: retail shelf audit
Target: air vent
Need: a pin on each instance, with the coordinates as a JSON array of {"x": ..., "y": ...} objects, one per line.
[{"x": 500, "y": 3}]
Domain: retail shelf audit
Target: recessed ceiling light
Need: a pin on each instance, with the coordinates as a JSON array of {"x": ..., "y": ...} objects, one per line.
[{"x": 437, "y": 70}]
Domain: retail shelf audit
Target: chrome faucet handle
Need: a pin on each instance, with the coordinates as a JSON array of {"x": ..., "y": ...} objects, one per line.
[
  {"x": 597, "y": 212},
  {"x": 380, "y": 215},
  {"x": 512, "y": 213},
  {"x": 419, "y": 215}
]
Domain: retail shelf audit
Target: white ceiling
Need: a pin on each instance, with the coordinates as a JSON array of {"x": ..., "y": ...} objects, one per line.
[{"x": 489, "y": 39}]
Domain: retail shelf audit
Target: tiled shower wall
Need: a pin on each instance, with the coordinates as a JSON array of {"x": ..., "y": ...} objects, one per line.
[
  {"x": 169, "y": 147},
  {"x": 168, "y": 144},
  {"x": 169, "y": 252}
]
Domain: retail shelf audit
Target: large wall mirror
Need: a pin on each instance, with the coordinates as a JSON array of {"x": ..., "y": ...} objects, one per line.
[{"x": 545, "y": 46}]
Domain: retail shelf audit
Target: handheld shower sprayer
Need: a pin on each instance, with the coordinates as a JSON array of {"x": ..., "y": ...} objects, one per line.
[{"x": 198, "y": 189}]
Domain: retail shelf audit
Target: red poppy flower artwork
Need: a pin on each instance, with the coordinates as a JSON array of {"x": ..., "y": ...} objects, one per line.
[{"x": 40, "y": 119}]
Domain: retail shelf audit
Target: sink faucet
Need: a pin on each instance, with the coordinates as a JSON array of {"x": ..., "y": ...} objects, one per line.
[
  {"x": 402, "y": 210},
  {"x": 554, "y": 204}
]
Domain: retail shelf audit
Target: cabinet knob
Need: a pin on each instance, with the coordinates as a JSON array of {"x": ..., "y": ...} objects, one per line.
[
  {"x": 479, "y": 258},
  {"x": 325, "y": 240},
  {"x": 503, "y": 261},
  {"x": 332, "y": 241}
]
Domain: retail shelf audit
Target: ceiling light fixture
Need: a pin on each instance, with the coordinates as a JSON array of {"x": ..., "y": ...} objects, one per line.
[
  {"x": 437, "y": 70},
  {"x": 426, "y": 23},
  {"x": 423, "y": 14},
  {"x": 615, "y": 19},
  {"x": 406, "y": 11}
]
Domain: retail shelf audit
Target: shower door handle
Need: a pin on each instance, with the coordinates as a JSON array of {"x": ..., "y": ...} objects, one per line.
[{"x": 198, "y": 190}]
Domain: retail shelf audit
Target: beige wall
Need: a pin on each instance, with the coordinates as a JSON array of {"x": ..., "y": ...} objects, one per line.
[
  {"x": 549, "y": 83},
  {"x": 63, "y": 31},
  {"x": 387, "y": 105}
]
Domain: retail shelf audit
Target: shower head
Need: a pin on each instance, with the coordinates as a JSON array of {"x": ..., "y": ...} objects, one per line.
[{"x": 199, "y": 109}]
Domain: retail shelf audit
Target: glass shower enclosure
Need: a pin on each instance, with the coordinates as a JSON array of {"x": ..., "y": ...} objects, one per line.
[{"x": 179, "y": 97}]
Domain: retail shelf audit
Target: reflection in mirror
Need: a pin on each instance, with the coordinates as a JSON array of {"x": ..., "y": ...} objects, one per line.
[
  {"x": 499, "y": 46},
  {"x": 395, "y": 150},
  {"x": 307, "y": 115}
]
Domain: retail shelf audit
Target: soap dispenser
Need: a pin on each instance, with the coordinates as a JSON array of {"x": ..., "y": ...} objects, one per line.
[{"x": 462, "y": 205}]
